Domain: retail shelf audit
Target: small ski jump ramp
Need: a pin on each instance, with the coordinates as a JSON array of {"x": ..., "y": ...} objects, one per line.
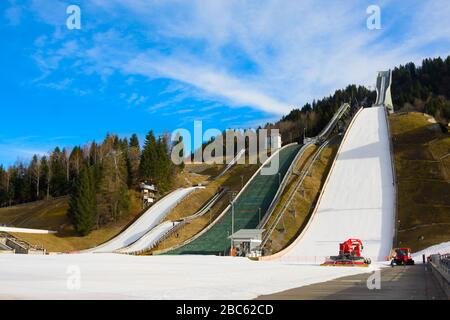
[
  {"x": 150, "y": 219},
  {"x": 357, "y": 199}
]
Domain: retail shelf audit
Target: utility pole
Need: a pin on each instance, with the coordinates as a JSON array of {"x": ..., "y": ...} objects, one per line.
[{"x": 233, "y": 195}]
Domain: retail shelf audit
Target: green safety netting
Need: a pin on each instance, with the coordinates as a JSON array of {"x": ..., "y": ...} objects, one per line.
[{"x": 258, "y": 194}]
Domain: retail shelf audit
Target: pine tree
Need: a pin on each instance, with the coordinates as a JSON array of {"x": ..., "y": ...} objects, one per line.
[
  {"x": 58, "y": 179},
  {"x": 163, "y": 165},
  {"x": 35, "y": 172},
  {"x": 133, "y": 161},
  {"x": 149, "y": 158},
  {"x": 82, "y": 208}
]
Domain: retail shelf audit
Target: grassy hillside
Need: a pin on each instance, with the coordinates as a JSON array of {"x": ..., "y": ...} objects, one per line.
[
  {"x": 51, "y": 215},
  {"x": 297, "y": 215},
  {"x": 423, "y": 177}
]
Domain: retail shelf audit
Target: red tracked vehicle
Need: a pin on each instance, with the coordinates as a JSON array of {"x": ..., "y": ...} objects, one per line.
[
  {"x": 349, "y": 255},
  {"x": 402, "y": 256}
]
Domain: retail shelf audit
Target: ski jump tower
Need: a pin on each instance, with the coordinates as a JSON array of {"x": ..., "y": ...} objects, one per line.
[{"x": 383, "y": 87}]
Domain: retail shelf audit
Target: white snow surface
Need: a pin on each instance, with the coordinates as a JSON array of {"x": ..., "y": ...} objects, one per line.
[
  {"x": 25, "y": 230},
  {"x": 442, "y": 248},
  {"x": 145, "y": 223},
  {"x": 358, "y": 198},
  {"x": 116, "y": 276}
]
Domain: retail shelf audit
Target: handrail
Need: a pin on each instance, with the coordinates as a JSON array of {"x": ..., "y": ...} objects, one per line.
[
  {"x": 323, "y": 133},
  {"x": 232, "y": 163},
  {"x": 293, "y": 192},
  {"x": 282, "y": 186},
  {"x": 207, "y": 206},
  {"x": 394, "y": 179}
]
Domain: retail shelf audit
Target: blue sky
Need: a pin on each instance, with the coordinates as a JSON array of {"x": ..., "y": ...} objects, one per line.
[{"x": 137, "y": 65}]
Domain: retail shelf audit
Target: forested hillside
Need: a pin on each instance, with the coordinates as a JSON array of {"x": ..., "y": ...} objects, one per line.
[
  {"x": 424, "y": 88},
  {"x": 100, "y": 177},
  {"x": 312, "y": 117}
]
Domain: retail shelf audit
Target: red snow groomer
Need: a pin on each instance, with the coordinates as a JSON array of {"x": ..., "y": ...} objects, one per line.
[{"x": 349, "y": 255}]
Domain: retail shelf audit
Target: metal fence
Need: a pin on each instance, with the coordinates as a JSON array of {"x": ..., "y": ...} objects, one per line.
[{"x": 442, "y": 261}]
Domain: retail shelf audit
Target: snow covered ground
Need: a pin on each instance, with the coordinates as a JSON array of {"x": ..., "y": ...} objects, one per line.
[
  {"x": 150, "y": 238},
  {"x": 115, "y": 276},
  {"x": 442, "y": 248},
  {"x": 145, "y": 223},
  {"x": 357, "y": 200}
]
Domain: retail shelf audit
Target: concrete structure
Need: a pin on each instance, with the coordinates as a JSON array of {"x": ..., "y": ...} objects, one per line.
[
  {"x": 399, "y": 283},
  {"x": 10, "y": 244},
  {"x": 3, "y": 247},
  {"x": 384, "y": 80}
]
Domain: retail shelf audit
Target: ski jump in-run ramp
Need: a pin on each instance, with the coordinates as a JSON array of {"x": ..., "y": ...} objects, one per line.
[
  {"x": 143, "y": 227},
  {"x": 357, "y": 199}
]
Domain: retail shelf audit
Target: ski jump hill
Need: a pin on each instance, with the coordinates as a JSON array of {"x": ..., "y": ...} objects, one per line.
[
  {"x": 358, "y": 196},
  {"x": 255, "y": 202},
  {"x": 143, "y": 227}
]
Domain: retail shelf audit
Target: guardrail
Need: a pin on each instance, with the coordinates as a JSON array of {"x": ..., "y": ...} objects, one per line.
[
  {"x": 443, "y": 262},
  {"x": 394, "y": 178},
  {"x": 331, "y": 124},
  {"x": 440, "y": 266}
]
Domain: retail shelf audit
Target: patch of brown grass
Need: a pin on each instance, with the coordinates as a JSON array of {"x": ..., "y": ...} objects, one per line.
[{"x": 423, "y": 180}]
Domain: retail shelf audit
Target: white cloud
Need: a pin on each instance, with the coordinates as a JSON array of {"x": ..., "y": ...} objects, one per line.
[{"x": 269, "y": 55}]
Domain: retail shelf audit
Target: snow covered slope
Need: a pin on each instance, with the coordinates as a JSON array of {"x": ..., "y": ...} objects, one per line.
[
  {"x": 357, "y": 200},
  {"x": 148, "y": 240},
  {"x": 442, "y": 248},
  {"x": 145, "y": 223}
]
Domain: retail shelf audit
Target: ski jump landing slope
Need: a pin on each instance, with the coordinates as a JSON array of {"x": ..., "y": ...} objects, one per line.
[
  {"x": 145, "y": 223},
  {"x": 357, "y": 200}
]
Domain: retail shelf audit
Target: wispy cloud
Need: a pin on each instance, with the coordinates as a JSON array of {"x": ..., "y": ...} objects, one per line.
[{"x": 269, "y": 55}]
